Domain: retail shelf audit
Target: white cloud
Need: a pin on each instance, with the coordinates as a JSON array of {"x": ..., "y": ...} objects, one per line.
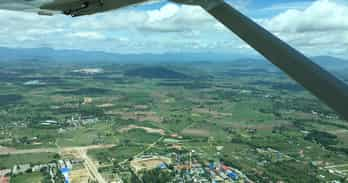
[
  {"x": 321, "y": 28},
  {"x": 286, "y": 6},
  {"x": 87, "y": 35},
  {"x": 322, "y": 15},
  {"x": 318, "y": 29}
]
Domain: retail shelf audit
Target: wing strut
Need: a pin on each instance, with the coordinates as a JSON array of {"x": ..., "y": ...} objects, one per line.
[{"x": 320, "y": 82}]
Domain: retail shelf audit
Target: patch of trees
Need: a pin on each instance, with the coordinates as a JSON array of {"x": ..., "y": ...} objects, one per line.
[
  {"x": 291, "y": 171},
  {"x": 157, "y": 175},
  {"x": 86, "y": 92},
  {"x": 156, "y": 72},
  {"x": 302, "y": 104},
  {"x": 231, "y": 164},
  {"x": 9, "y": 77},
  {"x": 301, "y": 124},
  {"x": 338, "y": 149},
  {"x": 10, "y": 99},
  {"x": 84, "y": 110},
  {"x": 91, "y": 110},
  {"x": 331, "y": 124},
  {"x": 226, "y": 95},
  {"x": 279, "y": 86},
  {"x": 245, "y": 72},
  {"x": 323, "y": 138}
]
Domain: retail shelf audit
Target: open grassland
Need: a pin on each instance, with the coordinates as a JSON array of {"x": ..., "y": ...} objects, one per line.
[
  {"x": 36, "y": 177},
  {"x": 116, "y": 154},
  {"x": 8, "y": 161}
]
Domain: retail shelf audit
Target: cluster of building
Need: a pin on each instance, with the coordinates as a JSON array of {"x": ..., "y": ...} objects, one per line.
[
  {"x": 194, "y": 170},
  {"x": 73, "y": 122},
  {"x": 89, "y": 71},
  {"x": 271, "y": 156},
  {"x": 223, "y": 173},
  {"x": 147, "y": 162},
  {"x": 51, "y": 169},
  {"x": 82, "y": 120},
  {"x": 188, "y": 167}
]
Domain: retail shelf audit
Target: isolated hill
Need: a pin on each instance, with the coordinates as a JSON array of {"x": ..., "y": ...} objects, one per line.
[
  {"x": 49, "y": 54},
  {"x": 331, "y": 63}
]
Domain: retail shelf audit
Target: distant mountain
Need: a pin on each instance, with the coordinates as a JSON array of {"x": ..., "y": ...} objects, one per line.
[
  {"x": 327, "y": 62},
  {"x": 49, "y": 54},
  {"x": 331, "y": 63}
]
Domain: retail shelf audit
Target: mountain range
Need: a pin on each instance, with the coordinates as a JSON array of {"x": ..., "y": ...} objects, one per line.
[{"x": 49, "y": 54}]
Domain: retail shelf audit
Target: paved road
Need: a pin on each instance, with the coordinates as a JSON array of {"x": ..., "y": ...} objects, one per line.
[
  {"x": 81, "y": 152},
  {"x": 92, "y": 168},
  {"x": 149, "y": 147},
  {"x": 5, "y": 151}
]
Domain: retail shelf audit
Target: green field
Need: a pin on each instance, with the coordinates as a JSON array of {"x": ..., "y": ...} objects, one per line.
[
  {"x": 8, "y": 161},
  {"x": 240, "y": 106},
  {"x": 27, "y": 178},
  {"x": 116, "y": 154}
]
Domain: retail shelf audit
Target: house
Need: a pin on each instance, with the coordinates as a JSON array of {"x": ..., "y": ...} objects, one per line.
[
  {"x": 68, "y": 164},
  {"x": 17, "y": 169},
  {"x": 5, "y": 172}
]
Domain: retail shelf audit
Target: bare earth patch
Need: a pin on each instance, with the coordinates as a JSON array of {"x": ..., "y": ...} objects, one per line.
[
  {"x": 105, "y": 105},
  {"x": 148, "y": 163},
  {"x": 342, "y": 135},
  {"x": 141, "y": 107},
  {"x": 147, "y": 129},
  {"x": 6, "y": 150},
  {"x": 80, "y": 175},
  {"x": 262, "y": 126},
  {"x": 196, "y": 132}
]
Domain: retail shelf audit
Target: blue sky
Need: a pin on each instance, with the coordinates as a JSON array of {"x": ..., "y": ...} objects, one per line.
[{"x": 315, "y": 27}]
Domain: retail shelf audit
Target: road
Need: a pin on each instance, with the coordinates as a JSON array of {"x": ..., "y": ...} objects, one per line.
[
  {"x": 79, "y": 151},
  {"x": 92, "y": 168},
  {"x": 9, "y": 151},
  {"x": 148, "y": 147},
  {"x": 142, "y": 152}
]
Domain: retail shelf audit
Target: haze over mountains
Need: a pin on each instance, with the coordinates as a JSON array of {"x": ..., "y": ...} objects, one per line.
[{"x": 48, "y": 54}]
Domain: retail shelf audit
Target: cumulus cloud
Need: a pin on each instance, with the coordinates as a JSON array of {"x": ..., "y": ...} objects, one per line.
[
  {"x": 321, "y": 28},
  {"x": 318, "y": 29},
  {"x": 322, "y": 15},
  {"x": 170, "y": 28}
]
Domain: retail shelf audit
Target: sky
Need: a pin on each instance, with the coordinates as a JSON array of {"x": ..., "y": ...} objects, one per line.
[{"x": 315, "y": 27}]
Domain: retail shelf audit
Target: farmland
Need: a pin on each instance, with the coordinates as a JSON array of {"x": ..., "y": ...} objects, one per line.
[{"x": 269, "y": 126}]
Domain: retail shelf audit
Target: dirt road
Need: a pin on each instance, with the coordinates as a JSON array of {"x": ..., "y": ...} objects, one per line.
[
  {"x": 6, "y": 151},
  {"x": 79, "y": 151}
]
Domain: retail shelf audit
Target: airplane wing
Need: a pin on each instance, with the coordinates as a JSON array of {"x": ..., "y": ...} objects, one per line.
[
  {"x": 87, "y": 7},
  {"x": 67, "y": 7}
]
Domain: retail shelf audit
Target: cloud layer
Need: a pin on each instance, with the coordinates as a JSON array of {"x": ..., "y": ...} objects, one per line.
[{"x": 320, "y": 28}]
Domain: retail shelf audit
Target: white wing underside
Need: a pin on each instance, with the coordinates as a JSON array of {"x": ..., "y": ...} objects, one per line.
[{"x": 68, "y": 7}]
